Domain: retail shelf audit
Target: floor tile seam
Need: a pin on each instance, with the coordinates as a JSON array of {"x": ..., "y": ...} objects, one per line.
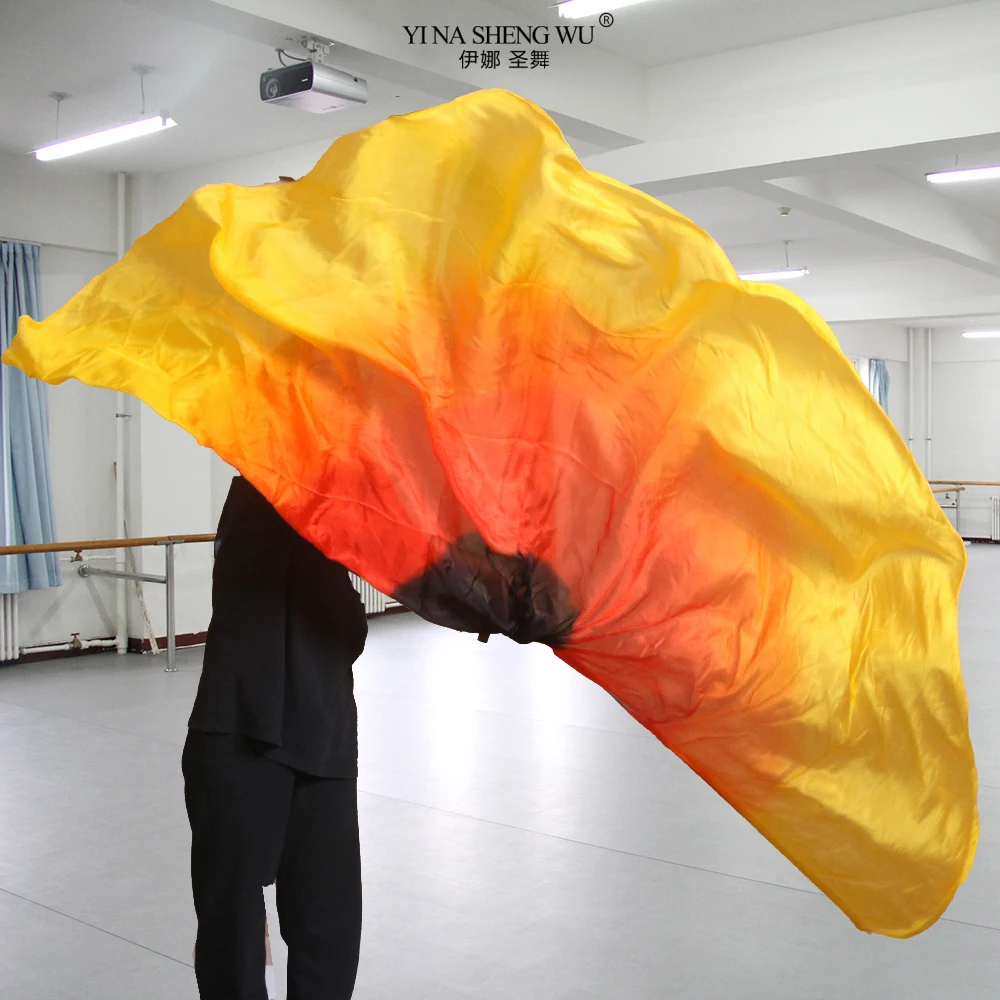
[
  {"x": 970, "y": 923},
  {"x": 93, "y": 927},
  {"x": 598, "y": 847},
  {"x": 401, "y": 697},
  {"x": 638, "y": 855},
  {"x": 88, "y": 722},
  {"x": 645, "y": 735}
]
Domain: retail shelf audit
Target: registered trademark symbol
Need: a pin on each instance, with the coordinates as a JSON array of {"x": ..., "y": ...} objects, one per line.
[{"x": 607, "y": 20}]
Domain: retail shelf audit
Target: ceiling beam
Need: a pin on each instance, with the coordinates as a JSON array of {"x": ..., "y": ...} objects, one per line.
[
  {"x": 798, "y": 105},
  {"x": 873, "y": 201},
  {"x": 894, "y": 293}
]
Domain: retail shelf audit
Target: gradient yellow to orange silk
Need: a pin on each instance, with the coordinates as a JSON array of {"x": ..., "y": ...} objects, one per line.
[{"x": 450, "y": 329}]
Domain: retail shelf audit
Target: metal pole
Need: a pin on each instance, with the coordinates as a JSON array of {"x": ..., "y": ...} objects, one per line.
[
  {"x": 171, "y": 623},
  {"x": 121, "y": 594},
  {"x": 929, "y": 402},
  {"x": 86, "y": 570},
  {"x": 911, "y": 379}
]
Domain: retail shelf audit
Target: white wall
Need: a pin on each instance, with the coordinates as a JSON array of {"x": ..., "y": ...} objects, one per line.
[
  {"x": 176, "y": 498},
  {"x": 57, "y": 202},
  {"x": 82, "y": 456},
  {"x": 872, "y": 340},
  {"x": 175, "y": 486},
  {"x": 887, "y": 341},
  {"x": 965, "y": 405},
  {"x": 73, "y": 208},
  {"x": 965, "y": 421},
  {"x": 221, "y": 478},
  {"x": 265, "y": 168},
  {"x": 899, "y": 394},
  {"x": 171, "y": 477}
]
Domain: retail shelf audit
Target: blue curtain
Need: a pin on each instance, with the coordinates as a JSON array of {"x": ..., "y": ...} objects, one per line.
[
  {"x": 878, "y": 378},
  {"x": 24, "y": 436}
]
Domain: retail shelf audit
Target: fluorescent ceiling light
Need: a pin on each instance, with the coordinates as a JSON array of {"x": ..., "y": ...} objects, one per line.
[
  {"x": 780, "y": 275},
  {"x": 982, "y": 334},
  {"x": 969, "y": 174},
  {"x": 106, "y": 137},
  {"x": 590, "y": 8}
]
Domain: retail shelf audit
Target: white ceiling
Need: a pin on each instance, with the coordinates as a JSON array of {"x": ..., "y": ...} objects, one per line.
[
  {"x": 206, "y": 80},
  {"x": 664, "y": 31},
  {"x": 752, "y": 232},
  {"x": 958, "y": 325},
  {"x": 913, "y": 164}
]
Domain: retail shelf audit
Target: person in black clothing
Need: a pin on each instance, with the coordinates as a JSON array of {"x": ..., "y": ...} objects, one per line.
[{"x": 271, "y": 761}]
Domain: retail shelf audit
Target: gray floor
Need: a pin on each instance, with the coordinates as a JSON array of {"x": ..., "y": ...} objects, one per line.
[{"x": 522, "y": 837}]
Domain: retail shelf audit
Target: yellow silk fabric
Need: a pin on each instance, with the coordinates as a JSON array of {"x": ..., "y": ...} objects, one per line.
[{"x": 449, "y": 328}]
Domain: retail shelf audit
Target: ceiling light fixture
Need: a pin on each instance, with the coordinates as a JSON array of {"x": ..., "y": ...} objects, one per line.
[
  {"x": 590, "y": 8},
  {"x": 982, "y": 334},
  {"x": 785, "y": 272},
  {"x": 104, "y": 137},
  {"x": 778, "y": 274},
  {"x": 964, "y": 174},
  {"x": 144, "y": 125}
]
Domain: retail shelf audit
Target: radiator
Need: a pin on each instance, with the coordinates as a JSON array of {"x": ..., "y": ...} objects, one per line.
[
  {"x": 374, "y": 600},
  {"x": 9, "y": 639},
  {"x": 995, "y": 524}
]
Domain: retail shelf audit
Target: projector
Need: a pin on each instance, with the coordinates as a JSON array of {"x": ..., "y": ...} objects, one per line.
[{"x": 312, "y": 87}]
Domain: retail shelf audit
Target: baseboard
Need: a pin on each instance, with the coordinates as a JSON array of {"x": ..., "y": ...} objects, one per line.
[
  {"x": 186, "y": 639},
  {"x": 198, "y": 638},
  {"x": 397, "y": 610},
  {"x": 136, "y": 645}
]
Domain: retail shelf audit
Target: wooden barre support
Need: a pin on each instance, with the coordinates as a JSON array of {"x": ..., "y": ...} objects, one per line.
[
  {"x": 949, "y": 489},
  {"x": 102, "y": 543},
  {"x": 961, "y": 482}
]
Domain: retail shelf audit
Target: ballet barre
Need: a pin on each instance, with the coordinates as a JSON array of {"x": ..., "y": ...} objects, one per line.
[
  {"x": 956, "y": 506},
  {"x": 947, "y": 486},
  {"x": 168, "y": 542}
]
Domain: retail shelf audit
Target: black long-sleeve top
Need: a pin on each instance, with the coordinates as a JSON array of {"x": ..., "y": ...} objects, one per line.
[{"x": 287, "y": 626}]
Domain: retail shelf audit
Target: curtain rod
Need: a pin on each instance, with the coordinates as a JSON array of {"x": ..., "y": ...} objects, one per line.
[{"x": 57, "y": 246}]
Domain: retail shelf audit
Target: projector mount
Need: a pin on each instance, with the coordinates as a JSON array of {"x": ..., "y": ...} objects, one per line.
[{"x": 316, "y": 50}]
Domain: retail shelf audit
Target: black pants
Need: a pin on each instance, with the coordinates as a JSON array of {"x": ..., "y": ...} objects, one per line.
[{"x": 254, "y": 821}]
